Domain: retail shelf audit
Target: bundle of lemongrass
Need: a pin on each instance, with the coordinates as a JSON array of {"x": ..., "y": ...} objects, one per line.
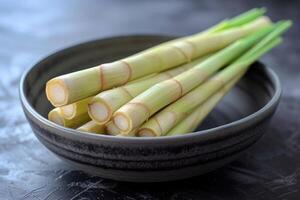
[{"x": 167, "y": 89}]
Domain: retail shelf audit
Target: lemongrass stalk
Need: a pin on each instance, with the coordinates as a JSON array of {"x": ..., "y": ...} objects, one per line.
[
  {"x": 194, "y": 119},
  {"x": 279, "y": 28},
  {"x": 103, "y": 105},
  {"x": 138, "y": 110},
  {"x": 190, "y": 123},
  {"x": 113, "y": 130},
  {"x": 166, "y": 119},
  {"x": 56, "y": 116},
  {"x": 239, "y": 20},
  {"x": 92, "y": 127},
  {"x": 72, "y": 87},
  {"x": 76, "y": 109}
]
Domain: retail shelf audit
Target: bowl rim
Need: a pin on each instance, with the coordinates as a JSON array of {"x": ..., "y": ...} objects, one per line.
[{"x": 242, "y": 123}]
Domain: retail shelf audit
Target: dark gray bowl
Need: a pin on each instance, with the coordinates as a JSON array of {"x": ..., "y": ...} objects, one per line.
[{"x": 237, "y": 123}]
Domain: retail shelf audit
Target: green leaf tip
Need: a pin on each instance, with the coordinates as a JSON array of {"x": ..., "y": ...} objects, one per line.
[{"x": 246, "y": 17}]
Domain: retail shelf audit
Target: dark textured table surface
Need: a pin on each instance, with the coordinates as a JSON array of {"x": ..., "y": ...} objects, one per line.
[{"x": 29, "y": 30}]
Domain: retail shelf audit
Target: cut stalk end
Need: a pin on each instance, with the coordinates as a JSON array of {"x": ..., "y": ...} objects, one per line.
[
  {"x": 55, "y": 116},
  {"x": 100, "y": 112},
  {"x": 146, "y": 133},
  {"x": 68, "y": 111},
  {"x": 92, "y": 127},
  {"x": 56, "y": 92},
  {"x": 113, "y": 130},
  {"x": 122, "y": 122}
]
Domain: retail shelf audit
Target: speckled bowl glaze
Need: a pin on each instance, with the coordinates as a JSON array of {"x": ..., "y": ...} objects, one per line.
[{"x": 237, "y": 123}]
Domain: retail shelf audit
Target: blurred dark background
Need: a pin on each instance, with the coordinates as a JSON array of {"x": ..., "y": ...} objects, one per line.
[{"x": 32, "y": 29}]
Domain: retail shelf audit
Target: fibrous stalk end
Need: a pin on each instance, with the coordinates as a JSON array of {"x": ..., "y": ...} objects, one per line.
[
  {"x": 99, "y": 111},
  {"x": 56, "y": 92},
  {"x": 122, "y": 122}
]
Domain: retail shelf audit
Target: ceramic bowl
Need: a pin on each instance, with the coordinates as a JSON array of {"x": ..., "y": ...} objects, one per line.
[{"x": 234, "y": 125}]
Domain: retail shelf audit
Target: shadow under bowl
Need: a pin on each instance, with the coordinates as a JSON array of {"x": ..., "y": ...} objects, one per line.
[{"x": 234, "y": 125}]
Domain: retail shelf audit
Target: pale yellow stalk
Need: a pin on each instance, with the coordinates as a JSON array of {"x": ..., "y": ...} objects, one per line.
[
  {"x": 92, "y": 127},
  {"x": 103, "y": 105},
  {"x": 72, "y": 87},
  {"x": 170, "y": 116},
  {"x": 76, "y": 109},
  {"x": 113, "y": 130},
  {"x": 138, "y": 110},
  {"x": 239, "y": 20},
  {"x": 193, "y": 120},
  {"x": 56, "y": 116}
]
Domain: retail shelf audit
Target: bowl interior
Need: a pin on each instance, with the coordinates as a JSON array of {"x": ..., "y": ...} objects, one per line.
[{"x": 249, "y": 95}]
